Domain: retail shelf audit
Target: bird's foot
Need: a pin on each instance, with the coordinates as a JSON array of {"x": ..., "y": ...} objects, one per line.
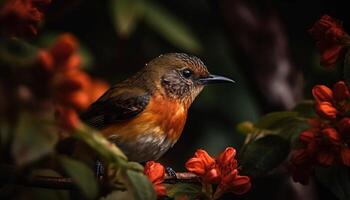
[
  {"x": 99, "y": 169},
  {"x": 170, "y": 172}
]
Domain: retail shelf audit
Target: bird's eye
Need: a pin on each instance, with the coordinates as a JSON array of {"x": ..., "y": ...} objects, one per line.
[{"x": 187, "y": 73}]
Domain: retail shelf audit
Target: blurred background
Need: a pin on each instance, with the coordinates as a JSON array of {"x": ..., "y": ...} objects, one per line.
[{"x": 262, "y": 44}]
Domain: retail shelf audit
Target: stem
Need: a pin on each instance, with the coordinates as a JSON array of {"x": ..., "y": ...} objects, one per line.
[{"x": 207, "y": 190}]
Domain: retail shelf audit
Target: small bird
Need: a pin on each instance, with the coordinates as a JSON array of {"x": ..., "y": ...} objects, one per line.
[{"x": 145, "y": 114}]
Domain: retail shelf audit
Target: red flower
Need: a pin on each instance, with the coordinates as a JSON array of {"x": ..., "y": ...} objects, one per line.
[
  {"x": 226, "y": 171},
  {"x": 156, "y": 173},
  {"x": 97, "y": 88},
  {"x": 322, "y": 93},
  {"x": 234, "y": 183},
  {"x": 230, "y": 180},
  {"x": 307, "y": 136},
  {"x": 300, "y": 156},
  {"x": 22, "y": 16},
  {"x": 330, "y": 40},
  {"x": 332, "y": 136},
  {"x": 67, "y": 118},
  {"x": 325, "y": 157},
  {"x": 345, "y": 156},
  {"x": 226, "y": 161},
  {"x": 341, "y": 91},
  {"x": 203, "y": 165},
  {"x": 344, "y": 126},
  {"x": 63, "y": 55},
  {"x": 71, "y": 87},
  {"x": 326, "y": 110}
]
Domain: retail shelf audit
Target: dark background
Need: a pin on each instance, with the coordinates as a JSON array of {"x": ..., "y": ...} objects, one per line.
[{"x": 264, "y": 45}]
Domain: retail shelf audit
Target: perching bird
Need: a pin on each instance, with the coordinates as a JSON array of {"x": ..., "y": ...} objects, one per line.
[{"x": 145, "y": 114}]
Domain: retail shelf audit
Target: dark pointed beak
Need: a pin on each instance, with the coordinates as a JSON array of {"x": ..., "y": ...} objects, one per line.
[{"x": 213, "y": 79}]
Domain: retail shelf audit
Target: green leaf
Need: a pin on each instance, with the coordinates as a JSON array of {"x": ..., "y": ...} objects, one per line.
[
  {"x": 170, "y": 27},
  {"x": 119, "y": 195},
  {"x": 292, "y": 129},
  {"x": 17, "y": 52},
  {"x": 135, "y": 166},
  {"x": 263, "y": 155},
  {"x": 336, "y": 179},
  {"x": 274, "y": 119},
  {"x": 140, "y": 186},
  {"x": 192, "y": 191},
  {"x": 100, "y": 144},
  {"x": 125, "y": 14},
  {"x": 245, "y": 127},
  {"x": 347, "y": 67},
  {"x": 305, "y": 109},
  {"x": 82, "y": 175},
  {"x": 43, "y": 193},
  {"x": 34, "y": 138}
]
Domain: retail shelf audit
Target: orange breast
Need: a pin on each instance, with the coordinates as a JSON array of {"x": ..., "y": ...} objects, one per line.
[{"x": 161, "y": 116}]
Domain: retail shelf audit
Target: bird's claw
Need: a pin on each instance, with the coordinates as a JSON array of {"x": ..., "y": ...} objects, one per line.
[
  {"x": 99, "y": 169},
  {"x": 170, "y": 172}
]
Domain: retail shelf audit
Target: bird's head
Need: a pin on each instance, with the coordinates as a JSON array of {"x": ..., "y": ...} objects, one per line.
[{"x": 181, "y": 76}]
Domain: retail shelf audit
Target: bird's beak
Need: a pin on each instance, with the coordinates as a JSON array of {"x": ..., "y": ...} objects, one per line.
[{"x": 213, "y": 79}]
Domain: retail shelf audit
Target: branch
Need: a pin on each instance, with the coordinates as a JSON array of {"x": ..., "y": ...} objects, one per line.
[{"x": 64, "y": 183}]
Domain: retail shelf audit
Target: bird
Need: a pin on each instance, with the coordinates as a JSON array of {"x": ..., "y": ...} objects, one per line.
[{"x": 145, "y": 114}]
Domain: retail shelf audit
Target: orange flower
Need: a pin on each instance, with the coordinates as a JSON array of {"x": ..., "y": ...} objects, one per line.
[
  {"x": 71, "y": 87},
  {"x": 326, "y": 110},
  {"x": 234, "y": 183},
  {"x": 226, "y": 161},
  {"x": 156, "y": 173},
  {"x": 344, "y": 125},
  {"x": 322, "y": 93},
  {"x": 98, "y": 87},
  {"x": 67, "y": 118},
  {"x": 325, "y": 158},
  {"x": 230, "y": 180},
  {"x": 330, "y": 40},
  {"x": 226, "y": 172},
  {"x": 63, "y": 55},
  {"x": 341, "y": 91},
  {"x": 203, "y": 165},
  {"x": 308, "y": 135},
  {"x": 345, "y": 156},
  {"x": 22, "y": 16},
  {"x": 300, "y": 156},
  {"x": 65, "y": 46},
  {"x": 332, "y": 136}
]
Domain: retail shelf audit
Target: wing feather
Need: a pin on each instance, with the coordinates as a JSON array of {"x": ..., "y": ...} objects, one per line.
[{"x": 117, "y": 104}]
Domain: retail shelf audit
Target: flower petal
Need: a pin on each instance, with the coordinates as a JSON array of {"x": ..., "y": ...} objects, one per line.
[
  {"x": 196, "y": 165},
  {"x": 155, "y": 172},
  {"x": 341, "y": 91},
  {"x": 322, "y": 93}
]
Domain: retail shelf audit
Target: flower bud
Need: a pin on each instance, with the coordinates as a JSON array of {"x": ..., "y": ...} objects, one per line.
[
  {"x": 341, "y": 91},
  {"x": 326, "y": 110},
  {"x": 344, "y": 125},
  {"x": 300, "y": 156},
  {"x": 325, "y": 158},
  {"x": 65, "y": 46},
  {"x": 212, "y": 176},
  {"x": 345, "y": 156},
  {"x": 332, "y": 136},
  {"x": 322, "y": 93},
  {"x": 307, "y": 135}
]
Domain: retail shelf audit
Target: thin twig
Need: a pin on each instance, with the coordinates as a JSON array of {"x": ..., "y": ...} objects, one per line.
[{"x": 65, "y": 183}]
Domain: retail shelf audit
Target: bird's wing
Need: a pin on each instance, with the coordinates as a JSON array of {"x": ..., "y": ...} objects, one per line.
[{"x": 117, "y": 104}]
